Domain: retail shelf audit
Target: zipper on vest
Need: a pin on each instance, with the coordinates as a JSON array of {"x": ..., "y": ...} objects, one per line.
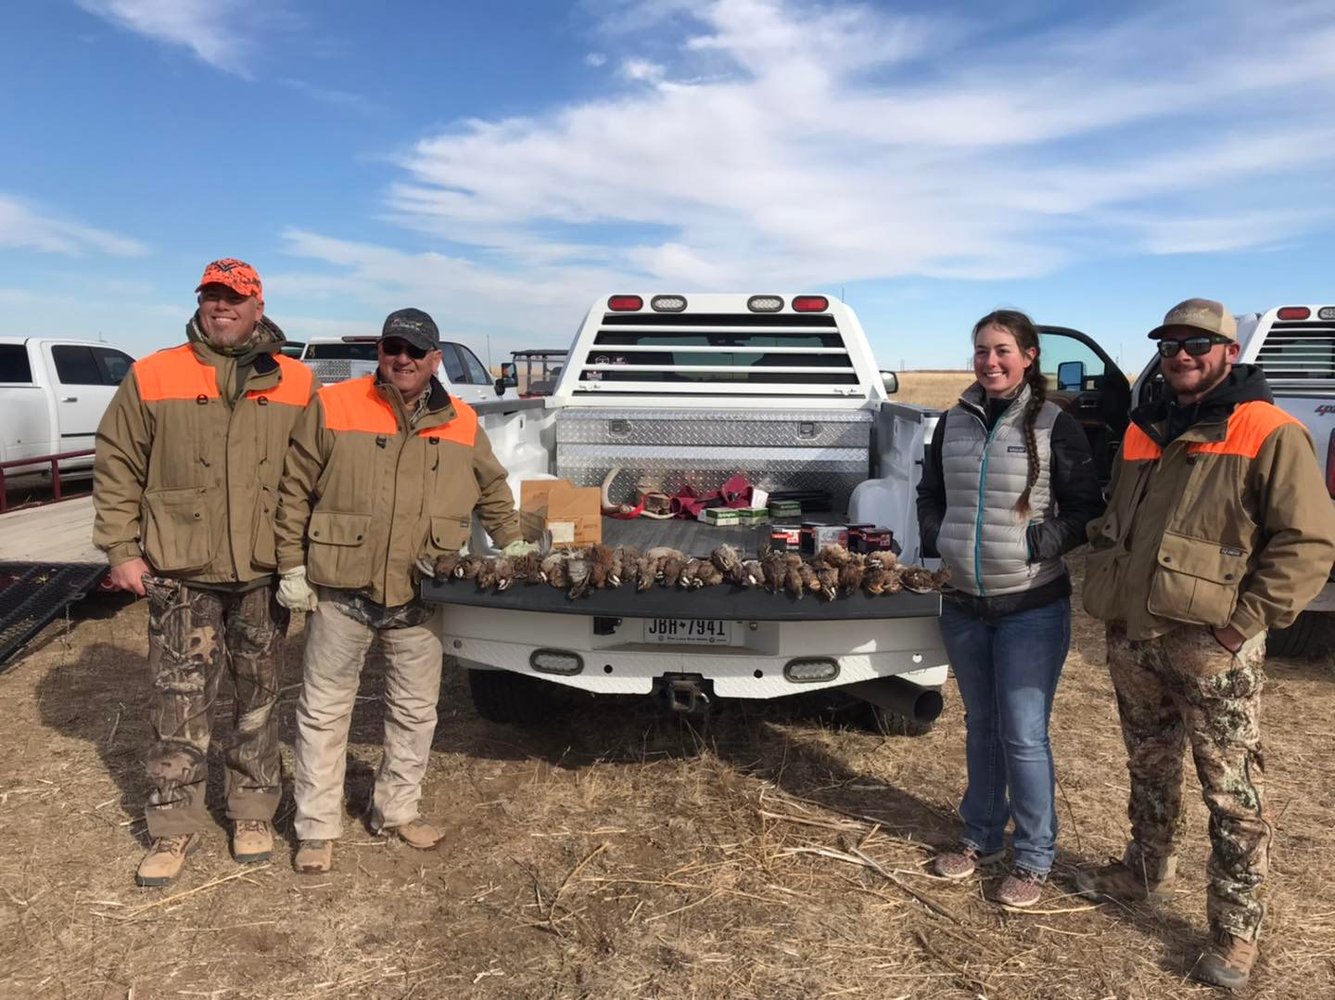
[{"x": 978, "y": 522}]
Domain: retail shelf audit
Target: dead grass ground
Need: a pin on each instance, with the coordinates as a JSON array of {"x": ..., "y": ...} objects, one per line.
[
  {"x": 940, "y": 389},
  {"x": 619, "y": 852}
]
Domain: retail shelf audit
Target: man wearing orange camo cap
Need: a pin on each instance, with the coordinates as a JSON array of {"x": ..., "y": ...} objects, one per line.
[{"x": 185, "y": 489}]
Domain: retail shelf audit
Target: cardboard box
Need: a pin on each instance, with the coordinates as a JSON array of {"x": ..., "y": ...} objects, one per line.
[
  {"x": 573, "y": 515},
  {"x": 816, "y": 536},
  {"x": 725, "y": 516}
]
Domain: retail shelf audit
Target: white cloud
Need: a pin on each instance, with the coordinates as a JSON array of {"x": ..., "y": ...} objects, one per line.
[
  {"x": 219, "y": 32},
  {"x": 595, "y": 59},
  {"x": 22, "y": 226},
  {"x": 787, "y": 144}
]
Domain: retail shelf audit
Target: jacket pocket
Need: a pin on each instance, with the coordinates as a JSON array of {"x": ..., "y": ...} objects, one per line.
[
  {"x": 338, "y": 552},
  {"x": 1101, "y": 593},
  {"x": 262, "y": 552},
  {"x": 177, "y": 529},
  {"x": 447, "y": 534},
  {"x": 1197, "y": 580}
]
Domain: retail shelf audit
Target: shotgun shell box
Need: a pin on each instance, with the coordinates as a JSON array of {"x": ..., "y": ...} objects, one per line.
[
  {"x": 753, "y": 515},
  {"x": 720, "y": 516},
  {"x": 875, "y": 540},
  {"x": 783, "y": 537},
  {"x": 784, "y": 509},
  {"x": 816, "y": 536}
]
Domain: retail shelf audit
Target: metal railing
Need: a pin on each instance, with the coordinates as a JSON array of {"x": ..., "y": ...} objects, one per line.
[{"x": 53, "y": 461}]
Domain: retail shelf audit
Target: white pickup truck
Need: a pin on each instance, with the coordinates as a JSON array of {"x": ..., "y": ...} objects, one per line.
[
  {"x": 1295, "y": 347},
  {"x": 334, "y": 359},
  {"x": 682, "y": 391},
  {"x": 52, "y": 396}
]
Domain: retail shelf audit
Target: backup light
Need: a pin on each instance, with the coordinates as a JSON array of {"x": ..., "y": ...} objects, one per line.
[
  {"x": 555, "y": 661},
  {"x": 668, "y": 303},
  {"x": 1294, "y": 312},
  {"x": 811, "y": 669},
  {"x": 1326, "y": 312},
  {"x": 764, "y": 303},
  {"x": 810, "y": 304},
  {"x": 625, "y": 303}
]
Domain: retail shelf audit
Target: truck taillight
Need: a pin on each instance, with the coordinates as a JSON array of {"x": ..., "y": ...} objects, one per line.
[
  {"x": 810, "y": 304},
  {"x": 625, "y": 303},
  {"x": 1330, "y": 466},
  {"x": 1294, "y": 312}
]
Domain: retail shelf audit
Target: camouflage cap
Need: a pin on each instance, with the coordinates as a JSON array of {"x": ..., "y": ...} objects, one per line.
[
  {"x": 237, "y": 275},
  {"x": 414, "y": 326},
  {"x": 1205, "y": 315}
]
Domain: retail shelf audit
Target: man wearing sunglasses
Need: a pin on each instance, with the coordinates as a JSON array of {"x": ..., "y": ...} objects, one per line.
[
  {"x": 1218, "y": 527},
  {"x": 383, "y": 471}
]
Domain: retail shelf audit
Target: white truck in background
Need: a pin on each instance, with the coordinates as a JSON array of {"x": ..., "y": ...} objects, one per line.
[
  {"x": 334, "y": 359},
  {"x": 1295, "y": 346},
  {"x": 53, "y": 393}
]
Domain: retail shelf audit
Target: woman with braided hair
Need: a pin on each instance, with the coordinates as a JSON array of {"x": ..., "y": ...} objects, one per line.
[{"x": 1008, "y": 487}]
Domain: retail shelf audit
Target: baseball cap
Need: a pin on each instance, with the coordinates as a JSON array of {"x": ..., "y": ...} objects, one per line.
[
  {"x": 237, "y": 275},
  {"x": 1205, "y": 315},
  {"x": 414, "y": 326}
]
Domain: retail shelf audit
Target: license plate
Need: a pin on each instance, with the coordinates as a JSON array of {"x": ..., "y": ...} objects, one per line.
[{"x": 688, "y": 631}]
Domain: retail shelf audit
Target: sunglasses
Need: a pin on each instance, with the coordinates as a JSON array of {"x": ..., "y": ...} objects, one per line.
[
  {"x": 1195, "y": 346},
  {"x": 392, "y": 347}
]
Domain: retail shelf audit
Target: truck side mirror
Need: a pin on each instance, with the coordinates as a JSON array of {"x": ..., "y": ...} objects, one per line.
[
  {"x": 1070, "y": 376},
  {"x": 509, "y": 377},
  {"x": 891, "y": 382},
  {"x": 500, "y": 386}
]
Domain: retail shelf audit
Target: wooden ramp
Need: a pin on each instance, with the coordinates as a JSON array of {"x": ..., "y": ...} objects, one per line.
[{"x": 55, "y": 533}]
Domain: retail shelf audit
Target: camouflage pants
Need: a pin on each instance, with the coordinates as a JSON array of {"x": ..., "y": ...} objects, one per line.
[
  {"x": 1185, "y": 688},
  {"x": 192, "y": 635}
]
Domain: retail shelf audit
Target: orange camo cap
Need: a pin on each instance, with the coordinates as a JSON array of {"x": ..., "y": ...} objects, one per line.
[{"x": 237, "y": 275}]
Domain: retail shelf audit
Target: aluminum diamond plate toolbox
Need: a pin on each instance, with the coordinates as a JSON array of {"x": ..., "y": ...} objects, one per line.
[{"x": 670, "y": 448}]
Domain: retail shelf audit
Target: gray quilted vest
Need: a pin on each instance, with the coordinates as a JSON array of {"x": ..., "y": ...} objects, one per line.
[{"x": 982, "y": 537}]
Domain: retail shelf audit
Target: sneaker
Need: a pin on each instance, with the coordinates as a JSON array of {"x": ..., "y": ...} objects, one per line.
[
  {"x": 417, "y": 833},
  {"x": 1021, "y": 888},
  {"x": 962, "y": 860},
  {"x": 165, "y": 859},
  {"x": 1129, "y": 880},
  {"x": 314, "y": 857},
  {"x": 1228, "y": 963},
  {"x": 252, "y": 840}
]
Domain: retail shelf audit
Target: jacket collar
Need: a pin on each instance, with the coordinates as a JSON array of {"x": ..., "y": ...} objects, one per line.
[
  {"x": 974, "y": 400},
  {"x": 1207, "y": 421},
  {"x": 439, "y": 405}
]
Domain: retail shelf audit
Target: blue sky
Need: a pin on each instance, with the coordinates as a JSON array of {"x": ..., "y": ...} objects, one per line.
[{"x": 502, "y": 164}]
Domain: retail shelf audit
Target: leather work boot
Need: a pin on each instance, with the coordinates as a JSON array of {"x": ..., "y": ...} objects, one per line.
[
  {"x": 1129, "y": 880},
  {"x": 252, "y": 840},
  {"x": 1228, "y": 963},
  {"x": 314, "y": 857},
  {"x": 417, "y": 833},
  {"x": 165, "y": 859}
]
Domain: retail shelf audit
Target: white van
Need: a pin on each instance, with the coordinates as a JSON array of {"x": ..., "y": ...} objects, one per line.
[{"x": 334, "y": 359}]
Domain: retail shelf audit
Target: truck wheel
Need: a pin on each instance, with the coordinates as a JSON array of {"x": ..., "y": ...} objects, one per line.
[
  {"x": 1300, "y": 639},
  {"x": 891, "y": 723},
  {"x": 503, "y": 696}
]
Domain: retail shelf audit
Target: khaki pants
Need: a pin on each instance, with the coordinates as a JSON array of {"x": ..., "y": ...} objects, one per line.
[{"x": 336, "y": 648}]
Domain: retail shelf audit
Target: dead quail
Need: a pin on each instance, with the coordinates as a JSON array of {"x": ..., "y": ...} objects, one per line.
[
  {"x": 773, "y": 570},
  {"x": 726, "y": 558},
  {"x": 444, "y": 568},
  {"x": 918, "y": 579},
  {"x": 504, "y": 571},
  {"x": 554, "y": 569},
  {"x": 625, "y": 559},
  {"x": 799, "y": 579},
  {"x": 708, "y": 575},
  {"x": 578, "y": 570},
  {"x": 834, "y": 555},
  {"x": 751, "y": 573},
  {"x": 468, "y": 567},
  {"x": 828, "y": 578},
  {"x": 884, "y": 558},
  {"x": 671, "y": 567},
  {"x": 941, "y": 577},
  {"x": 851, "y": 574},
  {"x": 874, "y": 579},
  {"x": 893, "y": 581},
  {"x": 486, "y": 575},
  {"x": 690, "y": 572},
  {"x": 528, "y": 568},
  {"x": 600, "y": 566}
]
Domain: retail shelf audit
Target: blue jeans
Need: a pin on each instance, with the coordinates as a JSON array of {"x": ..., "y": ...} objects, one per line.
[{"x": 1007, "y": 670}]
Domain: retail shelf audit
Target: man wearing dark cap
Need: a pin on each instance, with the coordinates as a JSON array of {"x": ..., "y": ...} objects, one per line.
[
  {"x": 184, "y": 488},
  {"x": 1218, "y": 528},
  {"x": 383, "y": 471}
]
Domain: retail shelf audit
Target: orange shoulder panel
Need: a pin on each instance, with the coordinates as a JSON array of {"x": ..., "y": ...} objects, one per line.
[
  {"x": 354, "y": 405},
  {"x": 174, "y": 373},
  {"x": 1137, "y": 446},
  {"x": 1248, "y": 427},
  {"x": 294, "y": 385},
  {"x": 462, "y": 429}
]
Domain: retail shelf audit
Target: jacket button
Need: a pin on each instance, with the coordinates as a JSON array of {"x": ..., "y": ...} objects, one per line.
[
  {"x": 196, "y": 515},
  {"x": 1167, "y": 560},
  {"x": 202, "y": 399},
  {"x": 1228, "y": 576},
  {"x": 359, "y": 538},
  {"x": 315, "y": 534}
]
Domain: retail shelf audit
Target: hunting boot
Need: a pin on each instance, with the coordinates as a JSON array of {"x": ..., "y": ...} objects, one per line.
[
  {"x": 417, "y": 833},
  {"x": 165, "y": 859},
  {"x": 1228, "y": 963},
  {"x": 1133, "y": 879},
  {"x": 252, "y": 840},
  {"x": 314, "y": 857}
]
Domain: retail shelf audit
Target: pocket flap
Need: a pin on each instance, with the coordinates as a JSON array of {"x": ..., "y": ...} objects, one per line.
[
  {"x": 449, "y": 533},
  {"x": 184, "y": 504},
  {"x": 333, "y": 528},
  {"x": 1207, "y": 560}
]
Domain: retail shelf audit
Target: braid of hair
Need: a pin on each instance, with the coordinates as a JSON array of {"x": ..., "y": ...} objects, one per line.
[{"x": 1038, "y": 394}]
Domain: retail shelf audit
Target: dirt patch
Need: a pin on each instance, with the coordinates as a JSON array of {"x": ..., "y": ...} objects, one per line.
[{"x": 618, "y": 852}]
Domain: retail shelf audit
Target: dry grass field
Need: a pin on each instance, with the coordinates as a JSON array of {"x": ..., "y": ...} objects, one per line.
[{"x": 618, "y": 851}]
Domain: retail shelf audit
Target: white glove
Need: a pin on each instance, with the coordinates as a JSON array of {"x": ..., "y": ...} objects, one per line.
[
  {"x": 519, "y": 548},
  {"x": 294, "y": 592}
]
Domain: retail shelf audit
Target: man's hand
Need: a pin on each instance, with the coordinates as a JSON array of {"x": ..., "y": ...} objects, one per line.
[
  {"x": 129, "y": 575},
  {"x": 294, "y": 592},
  {"x": 1229, "y": 637},
  {"x": 519, "y": 548}
]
